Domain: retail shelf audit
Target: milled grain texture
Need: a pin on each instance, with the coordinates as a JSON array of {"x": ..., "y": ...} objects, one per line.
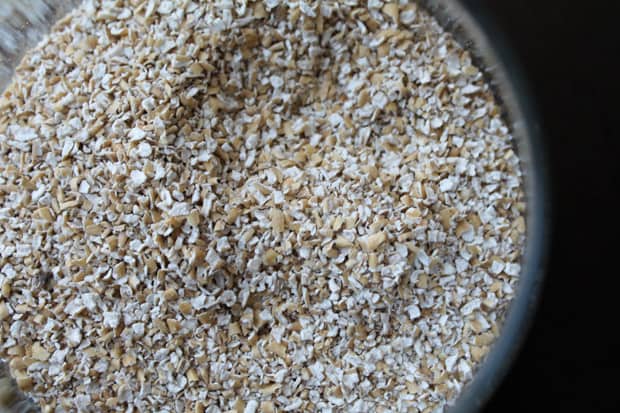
[{"x": 253, "y": 206}]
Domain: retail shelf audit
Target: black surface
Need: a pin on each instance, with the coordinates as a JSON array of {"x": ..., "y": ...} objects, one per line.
[{"x": 568, "y": 51}]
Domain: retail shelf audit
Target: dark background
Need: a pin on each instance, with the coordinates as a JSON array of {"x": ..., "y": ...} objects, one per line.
[{"x": 568, "y": 51}]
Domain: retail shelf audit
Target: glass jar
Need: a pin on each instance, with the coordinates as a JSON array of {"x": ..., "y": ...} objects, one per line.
[{"x": 24, "y": 22}]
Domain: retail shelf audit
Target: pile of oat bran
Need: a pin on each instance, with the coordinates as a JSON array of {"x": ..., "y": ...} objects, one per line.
[{"x": 252, "y": 206}]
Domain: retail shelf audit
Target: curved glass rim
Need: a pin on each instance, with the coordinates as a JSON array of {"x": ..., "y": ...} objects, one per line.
[{"x": 476, "y": 32}]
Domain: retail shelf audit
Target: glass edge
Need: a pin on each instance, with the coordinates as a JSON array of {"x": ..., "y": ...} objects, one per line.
[{"x": 476, "y": 31}]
